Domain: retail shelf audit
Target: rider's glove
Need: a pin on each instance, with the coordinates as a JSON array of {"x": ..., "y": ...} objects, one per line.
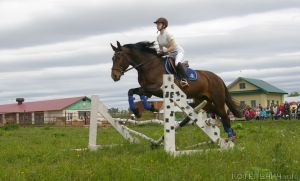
[{"x": 165, "y": 50}]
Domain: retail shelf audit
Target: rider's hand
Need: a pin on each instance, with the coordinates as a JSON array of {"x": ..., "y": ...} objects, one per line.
[
  {"x": 160, "y": 53},
  {"x": 165, "y": 50}
]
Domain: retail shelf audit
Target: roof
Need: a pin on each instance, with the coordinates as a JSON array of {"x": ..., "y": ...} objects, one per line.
[
  {"x": 264, "y": 86},
  {"x": 47, "y": 105}
]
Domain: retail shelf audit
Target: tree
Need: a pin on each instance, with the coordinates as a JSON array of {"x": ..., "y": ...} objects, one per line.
[
  {"x": 294, "y": 94},
  {"x": 113, "y": 110}
]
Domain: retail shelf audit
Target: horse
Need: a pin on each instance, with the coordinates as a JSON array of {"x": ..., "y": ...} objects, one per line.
[{"x": 149, "y": 64}]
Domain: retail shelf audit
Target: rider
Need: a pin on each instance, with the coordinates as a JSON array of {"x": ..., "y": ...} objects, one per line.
[{"x": 167, "y": 45}]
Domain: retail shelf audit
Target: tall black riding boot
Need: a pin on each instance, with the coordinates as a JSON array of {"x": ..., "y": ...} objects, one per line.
[{"x": 182, "y": 75}]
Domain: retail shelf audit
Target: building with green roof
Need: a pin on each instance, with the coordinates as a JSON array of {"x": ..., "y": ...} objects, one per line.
[{"x": 252, "y": 92}]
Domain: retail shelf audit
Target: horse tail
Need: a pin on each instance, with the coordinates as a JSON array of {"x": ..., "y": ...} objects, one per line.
[{"x": 231, "y": 104}]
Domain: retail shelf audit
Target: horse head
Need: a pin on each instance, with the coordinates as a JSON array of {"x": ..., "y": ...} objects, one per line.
[{"x": 120, "y": 61}]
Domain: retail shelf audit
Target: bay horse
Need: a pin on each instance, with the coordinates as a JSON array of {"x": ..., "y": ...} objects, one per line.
[{"x": 143, "y": 57}]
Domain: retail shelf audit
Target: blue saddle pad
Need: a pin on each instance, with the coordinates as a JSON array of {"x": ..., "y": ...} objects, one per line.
[{"x": 191, "y": 74}]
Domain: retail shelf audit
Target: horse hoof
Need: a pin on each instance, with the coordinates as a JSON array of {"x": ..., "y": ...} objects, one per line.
[
  {"x": 232, "y": 138},
  {"x": 138, "y": 115}
]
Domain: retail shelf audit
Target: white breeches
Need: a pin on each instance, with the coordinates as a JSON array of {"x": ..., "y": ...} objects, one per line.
[{"x": 178, "y": 54}]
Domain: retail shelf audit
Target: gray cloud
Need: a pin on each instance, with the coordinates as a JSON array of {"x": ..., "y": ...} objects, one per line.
[
  {"x": 76, "y": 23},
  {"x": 68, "y": 54}
]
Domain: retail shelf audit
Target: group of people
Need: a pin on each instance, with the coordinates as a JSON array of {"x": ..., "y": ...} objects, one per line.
[{"x": 282, "y": 111}]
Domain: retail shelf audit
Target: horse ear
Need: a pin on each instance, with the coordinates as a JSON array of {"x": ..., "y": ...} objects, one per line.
[
  {"x": 113, "y": 47},
  {"x": 119, "y": 45}
]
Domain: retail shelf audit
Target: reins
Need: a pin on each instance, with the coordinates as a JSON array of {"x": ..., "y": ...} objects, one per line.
[
  {"x": 137, "y": 66},
  {"x": 133, "y": 67}
]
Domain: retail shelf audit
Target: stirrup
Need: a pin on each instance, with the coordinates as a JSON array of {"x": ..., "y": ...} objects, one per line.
[{"x": 184, "y": 83}]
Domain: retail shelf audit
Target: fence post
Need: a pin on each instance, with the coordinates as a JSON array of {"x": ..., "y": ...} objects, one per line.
[
  {"x": 93, "y": 124},
  {"x": 169, "y": 114}
]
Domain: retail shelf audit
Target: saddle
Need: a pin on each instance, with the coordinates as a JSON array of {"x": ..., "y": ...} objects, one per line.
[{"x": 171, "y": 68}]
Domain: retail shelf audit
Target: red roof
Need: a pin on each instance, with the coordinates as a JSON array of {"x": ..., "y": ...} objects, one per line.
[{"x": 48, "y": 105}]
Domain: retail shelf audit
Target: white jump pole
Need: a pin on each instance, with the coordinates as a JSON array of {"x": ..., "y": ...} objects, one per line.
[
  {"x": 93, "y": 124},
  {"x": 98, "y": 107},
  {"x": 169, "y": 118}
]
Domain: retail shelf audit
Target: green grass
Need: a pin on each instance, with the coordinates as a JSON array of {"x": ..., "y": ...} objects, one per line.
[{"x": 45, "y": 153}]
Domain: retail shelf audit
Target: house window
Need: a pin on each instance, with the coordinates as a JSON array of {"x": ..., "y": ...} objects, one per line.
[
  {"x": 242, "y": 85},
  {"x": 83, "y": 115},
  {"x": 253, "y": 103},
  {"x": 70, "y": 116}
]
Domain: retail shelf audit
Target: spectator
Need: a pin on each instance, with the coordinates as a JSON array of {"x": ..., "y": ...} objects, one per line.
[
  {"x": 263, "y": 114},
  {"x": 298, "y": 111},
  {"x": 267, "y": 112},
  {"x": 276, "y": 111},
  {"x": 272, "y": 111},
  {"x": 294, "y": 112},
  {"x": 247, "y": 114},
  {"x": 281, "y": 107},
  {"x": 260, "y": 107},
  {"x": 286, "y": 111},
  {"x": 257, "y": 113},
  {"x": 251, "y": 113},
  {"x": 280, "y": 111}
]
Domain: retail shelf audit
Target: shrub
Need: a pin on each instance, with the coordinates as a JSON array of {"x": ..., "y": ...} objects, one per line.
[{"x": 8, "y": 127}]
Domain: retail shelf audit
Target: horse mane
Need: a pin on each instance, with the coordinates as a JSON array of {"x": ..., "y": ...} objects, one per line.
[{"x": 144, "y": 46}]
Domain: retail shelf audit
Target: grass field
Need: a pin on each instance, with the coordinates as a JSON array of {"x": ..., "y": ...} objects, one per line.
[{"x": 265, "y": 150}]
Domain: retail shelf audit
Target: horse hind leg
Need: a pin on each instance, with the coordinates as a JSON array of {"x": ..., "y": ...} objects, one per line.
[
  {"x": 218, "y": 108},
  {"x": 219, "y": 103},
  {"x": 226, "y": 123}
]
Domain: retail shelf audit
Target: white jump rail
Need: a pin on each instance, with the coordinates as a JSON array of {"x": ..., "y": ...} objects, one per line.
[
  {"x": 98, "y": 110},
  {"x": 98, "y": 107},
  {"x": 130, "y": 121}
]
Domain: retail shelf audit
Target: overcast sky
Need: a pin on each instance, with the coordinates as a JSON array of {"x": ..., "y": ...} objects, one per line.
[{"x": 61, "y": 48}]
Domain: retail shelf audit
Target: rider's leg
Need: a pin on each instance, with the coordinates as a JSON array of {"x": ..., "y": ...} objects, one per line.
[
  {"x": 182, "y": 74},
  {"x": 180, "y": 67}
]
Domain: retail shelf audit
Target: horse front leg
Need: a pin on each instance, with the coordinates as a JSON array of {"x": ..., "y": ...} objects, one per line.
[
  {"x": 131, "y": 99},
  {"x": 144, "y": 99},
  {"x": 146, "y": 104}
]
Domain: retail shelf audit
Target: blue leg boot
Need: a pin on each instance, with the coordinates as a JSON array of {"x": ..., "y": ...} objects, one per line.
[
  {"x": 132, "y": 106},
  {"x": 146, "y": 104},
  {"x": 228, "y": 130}
]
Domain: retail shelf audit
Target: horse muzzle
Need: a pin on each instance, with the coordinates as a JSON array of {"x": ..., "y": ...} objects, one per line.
[{"x": 116, "y": 76}]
